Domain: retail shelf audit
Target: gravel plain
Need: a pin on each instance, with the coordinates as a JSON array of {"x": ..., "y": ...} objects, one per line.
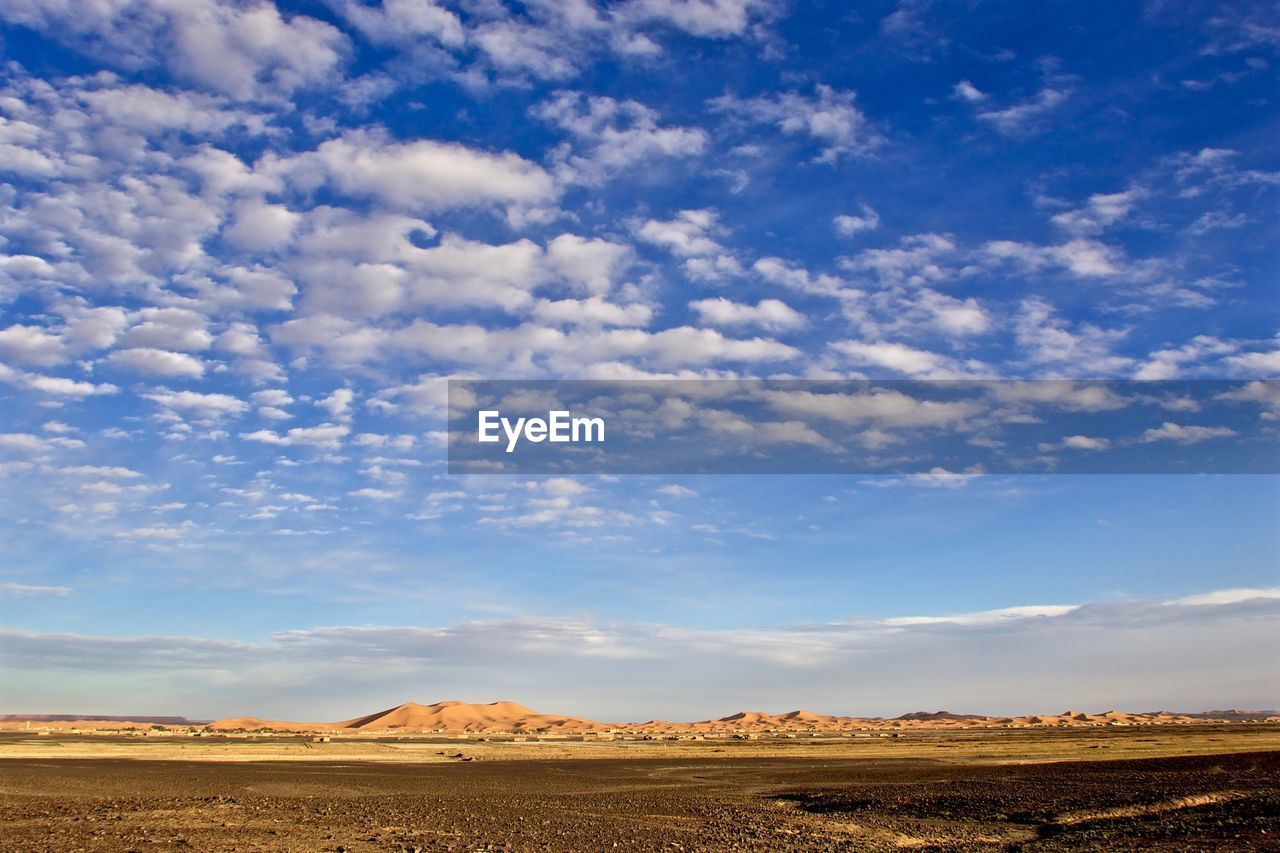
[{"x": 1225, "y": 801}]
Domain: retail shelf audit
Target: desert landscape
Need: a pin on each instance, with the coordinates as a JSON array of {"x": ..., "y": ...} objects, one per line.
[
  {"x": 512, "y": 718},
  {"x": 500, "y": 776},
  {"x": 583, "y": 426}
]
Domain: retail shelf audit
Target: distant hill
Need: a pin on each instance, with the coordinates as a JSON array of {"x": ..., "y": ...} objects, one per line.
[
  {"x": 98, "y": 718},
  {"x": 1233, "y": 715}
]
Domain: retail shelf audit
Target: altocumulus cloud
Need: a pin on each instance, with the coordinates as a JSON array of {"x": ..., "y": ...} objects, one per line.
[{"x": 217, "y": 212}]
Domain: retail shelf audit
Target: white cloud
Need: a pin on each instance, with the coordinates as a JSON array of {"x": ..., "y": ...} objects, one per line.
[
  {"x": 111, "y": 471},
  {"x": 771, "y": 314},
  {"x": 779, "y": 271},
  {"x": 1171, "y": 362},
  {"x": 591, "y": 312},
  {"x": 1214, "y": 169},
  {"x": 908, "y": 27},
  {"x": 54, "y": 386},
  {"x": 1048, "y": 340},
  {"x": 328, "y": 436},
  {"x": 714, "y": 268},
  {"x": 256, "y": 288},
  {"x": 1064, "y": 394},
  {"x": 372, "y": 267},
  {"x": 152, "y": 532},
  {"x": 374, "y": 494},
  {"x": 169, "y": 329},
  {"x": 684, "y": 236},
  {"x": 465, "y": 272},
  {"x": 1218, "y": 220},
  {"x": 517, "y": 48},
  {"x": 1100, "y": 211},
  {"x": 345, "y": 342},
  {"x": 954, "y": 316},
  {"x": 966, "y": 91},
  {"x": 897, "y": 357},
  {"x": 423, "y": 175},
  {"x": 86, "y": 327},
  {"x": 1255, "y": 363},
  {"x": 1026, "y": 117},
  {"x": 563, "y": 486},
  {"x": 1192, "y": 653},
  {"x": 201, "y": 407},
  {"x": 706, "y": 18},
  {"x": 402, "y": 22},
  {"x": 987, "y": 617},
  {"x": 590, "y": 264},
  {"x": 143, "y": 109},
  {"x": 867, "y": 220},
  {"x": 903, "y": 304},
  {"x": 22, "y": 590},
  {"x": 253, "y": 357},
  {"x": 156, "y": 362},
  {"x": 828, "y": 116},
  {"x": 392, "y": 442},
  {"x": 1228, "y": 596},
  {"x": 22, "y": 441},
  {"x": 688, "y": 236},
  {"x": 1265, "y": 394},
  {"x": 614, "y": 135},
  {"x": 883, "y": 408},
  {"x": 261, "y": 227},
  {"x": 919, "y": 259},
  {"x": 271, "y": 397},
  {"x": 1084, "y": 442},
  {"x": 571, "y": 352},
  {"x": 513, "y": 350},
  {"x": 1169, "y": 431},
  {"x": 941, "y": 478},
  {"x": 32, "y": 345},
  {"x": 244, "y": 49},
  {"x": 338, "y": 403}
]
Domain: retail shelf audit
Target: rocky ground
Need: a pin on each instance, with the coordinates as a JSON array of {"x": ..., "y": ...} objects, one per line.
[{"x": 1220, "y": 802}]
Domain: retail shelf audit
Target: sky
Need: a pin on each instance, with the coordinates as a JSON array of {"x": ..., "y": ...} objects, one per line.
[{"x": 243, "y": 245}]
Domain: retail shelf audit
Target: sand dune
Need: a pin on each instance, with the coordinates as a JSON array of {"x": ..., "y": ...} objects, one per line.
[
  {"x": 510, "y": 717},
  {"x": 252, "y": 723},
  {"x": 449, "y": 716},
  {"x": 513, "y": 718},
  {"x": 463, "y": 717}
]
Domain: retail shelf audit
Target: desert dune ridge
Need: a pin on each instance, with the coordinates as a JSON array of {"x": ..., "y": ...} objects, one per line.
[{"x": 504, "y": 717}]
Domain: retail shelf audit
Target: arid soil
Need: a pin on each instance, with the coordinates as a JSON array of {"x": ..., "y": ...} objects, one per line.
[{"x": 708, "y": 802}]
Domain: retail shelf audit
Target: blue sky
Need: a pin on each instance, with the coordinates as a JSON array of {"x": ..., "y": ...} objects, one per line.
[{"x": 243, "y": 245}]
